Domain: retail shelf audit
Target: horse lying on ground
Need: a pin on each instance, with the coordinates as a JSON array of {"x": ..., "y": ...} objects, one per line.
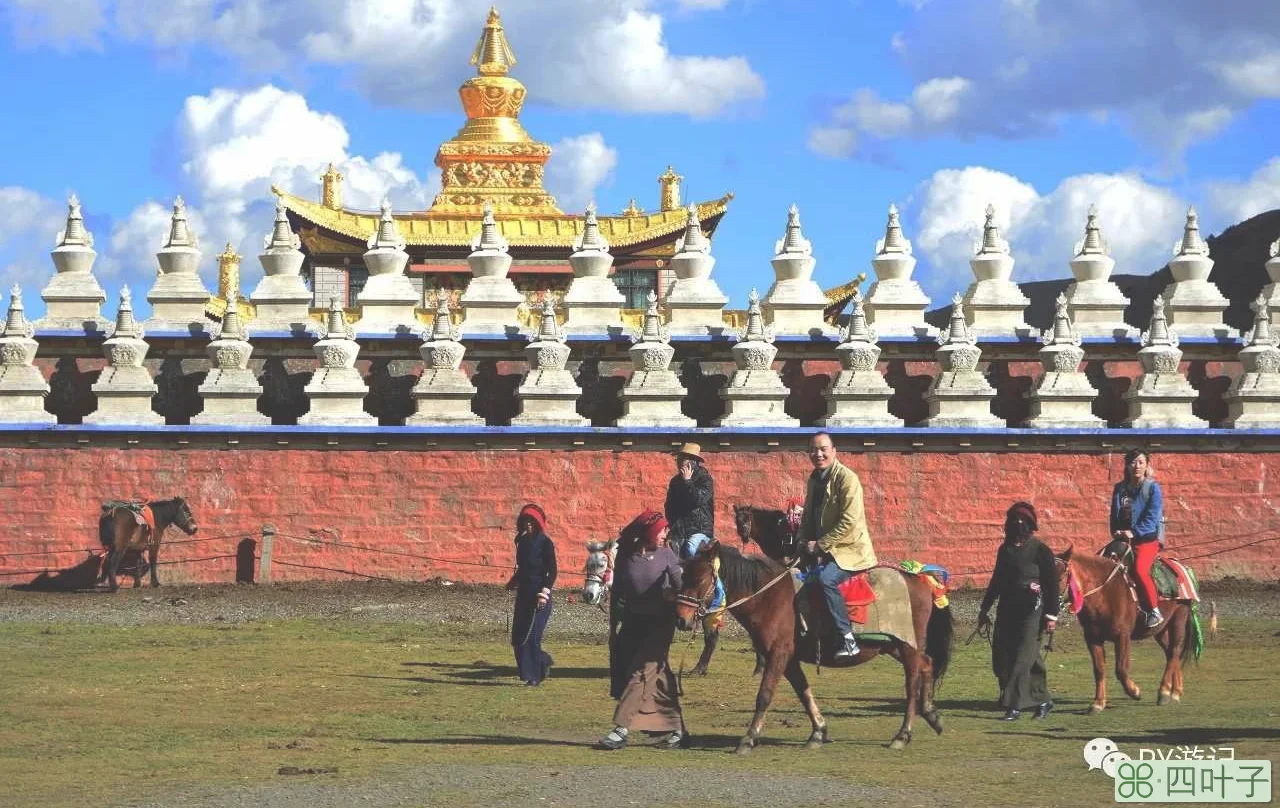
[
  {"x": 599, "y": 582},
  {"x": 763, "y": 601},
  {"x": 1102, "y": 591},
  {"x": 123, "y": 527}
]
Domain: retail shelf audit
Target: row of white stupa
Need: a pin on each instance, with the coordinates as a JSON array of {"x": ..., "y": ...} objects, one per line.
[
  {"x": 895, "y": 306},
  {"x": 755, "y": 395}
]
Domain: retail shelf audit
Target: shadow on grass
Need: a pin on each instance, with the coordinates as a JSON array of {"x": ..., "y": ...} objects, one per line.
[
  {"x": 710, "y": 743},
  {"x": 486, "y": 670},
  {"x": 1184, "y": 736},
  {"x": 78, "y": 578}
]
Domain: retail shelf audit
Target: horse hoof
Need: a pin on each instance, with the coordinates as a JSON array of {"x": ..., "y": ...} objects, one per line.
[
  {"x": 1096, "y": 708},
  {"x": 1162, "y": 699},
  {"x": 744, "y": 749},
  {"x": 899, "y": 743},
  {"x": 698, "y": 671},
  {"x": 934, "y": 720},
  {"x": 1176, "y": 698},
  {"x": 1136, "y": 695}
]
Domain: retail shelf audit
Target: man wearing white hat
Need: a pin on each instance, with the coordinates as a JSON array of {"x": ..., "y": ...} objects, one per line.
[{"x": 691, "y": 502}]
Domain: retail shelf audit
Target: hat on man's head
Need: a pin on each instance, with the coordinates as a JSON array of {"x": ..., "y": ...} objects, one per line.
[{"x": 690, "y": 450}]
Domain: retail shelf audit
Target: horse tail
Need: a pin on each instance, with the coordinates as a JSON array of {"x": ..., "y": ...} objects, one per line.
[
  {"x": 939, "y": 639},
  {"x": 1193, "y": 646},
  {"x": 106, "y": 527}
]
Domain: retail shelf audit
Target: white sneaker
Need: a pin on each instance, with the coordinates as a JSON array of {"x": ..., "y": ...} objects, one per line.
[
  {"x": 850, "y": 648},
  {"x": 1154, "y": 618}
]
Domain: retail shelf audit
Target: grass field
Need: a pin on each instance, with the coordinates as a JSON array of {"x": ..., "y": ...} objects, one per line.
[{"x": 97, "y": 715}]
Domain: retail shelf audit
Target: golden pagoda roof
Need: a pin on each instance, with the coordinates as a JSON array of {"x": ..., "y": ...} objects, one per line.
[
  {"x": 839, "y": 296},
  {"x": 434, "y": 229}
]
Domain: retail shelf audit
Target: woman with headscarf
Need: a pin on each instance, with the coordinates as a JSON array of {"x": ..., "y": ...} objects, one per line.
[
  {"x": 1026, "y": 583},
  {"x": 532, "y": 581},
  {"x": 645, "y": 583},
  {"x": 1137, "y": 516}
]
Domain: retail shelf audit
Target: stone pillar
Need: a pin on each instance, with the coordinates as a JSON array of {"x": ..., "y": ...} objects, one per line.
[
  {"x": 124, "y": 387},
  {"x": 281, "y": 299},
  {"x": 1096, "y": 305},
  {"x": 1272, "y": 290},
  {"x": 22, "y": 386},
  {"x": 1253, "y": 401},
  {"x": 231, "y": 390},
  {"x": 895, "y": 302},
  {"x": 1195, "y": 305},
  {"x": 337, "y": 389},
  {"x": 443, "y": 393},
  {"x": 178, "y": 297},
  {"x": 388, "y": 298},
  {"x": 491, "y": 302},
  {"x": 994, "y": 302},
  {"x": 794, "y": 303},
  {"x": 1063, "y": 397},
  {"x": 696, "y": 304},
  {"x": 592, "y": 303},
  {"x": 548, "y": 395},
  {"x": 1161, "y": 397},
  {"x": 653, "y": 394},
  {"x": 755, "y": 394},
  {"x": 859, "y": 395},
  {"x": 959, "y": 396},
  {"x": 73, "y": 299}
]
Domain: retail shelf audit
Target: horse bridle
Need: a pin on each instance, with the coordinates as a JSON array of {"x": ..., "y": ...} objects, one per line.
[
  {"x": 1114, "y": 571},
  {"x": 702, "y": 602}
]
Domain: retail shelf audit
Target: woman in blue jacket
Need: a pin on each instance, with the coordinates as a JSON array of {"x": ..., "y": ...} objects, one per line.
[{"x": 1137, "y": 513}]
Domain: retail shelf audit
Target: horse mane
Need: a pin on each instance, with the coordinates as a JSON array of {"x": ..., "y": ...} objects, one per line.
[{"x": 742, "y": 573}]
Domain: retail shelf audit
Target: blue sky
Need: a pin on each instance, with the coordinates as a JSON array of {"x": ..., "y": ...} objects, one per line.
[{"x": 838, "y": 107}]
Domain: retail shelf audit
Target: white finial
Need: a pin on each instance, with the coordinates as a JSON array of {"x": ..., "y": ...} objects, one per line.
[
  {"x": 125, "y": 324},
  {"x": 991, "y": 240},
  {"x": 756, "y": 331},
  {"x": 1159, "y": 332},
  {"x": 652, "y": 330},
  {"x": 1093, "y": 242},
  {"x": 959, "y": 330},
  {"x": 16, "y": 324},
  {"x": 74, "y": 234},
  {"x": 1261, "y": 334},
  {"x": 180, "y": 234},
  {"x": 1063, "y": 333},
  {"x": 1191, "y": 243},
  {"x": 1275, "y": 248},
  {"x": 591, "y": 240},
  {"x": 490, "y": 238},
  {"x": 893, "y": 241},
  {"x": 548, "y": 329},
  {"x": 793, "y": 241},
  {"x": 387, "y": 236},
  {"x": 232, "y": 325},
  {"x": 858, "y": 330},
  {"x": 281, "y": 236},
  {"x": 693, "y": 240},
  {"x": 337, "y": 321},
  {"x": 442, "y": 326}
]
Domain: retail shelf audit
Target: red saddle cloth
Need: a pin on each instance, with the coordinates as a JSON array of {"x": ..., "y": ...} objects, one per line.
[{"x": 857, "y": 596}]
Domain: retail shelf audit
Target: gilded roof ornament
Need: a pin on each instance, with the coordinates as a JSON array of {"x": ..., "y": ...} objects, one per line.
[
  {"x": 282, "y": 236},
  {"x": 387, "y": 236},
  {"x": 591, "y": 240},
  {"x": 693, "y": 240},
  {"x": 893, "y": 241},
  {"x": 493, "y": 55},
  {"x": 959, "y": 329},
  {"x": 490, "y": 238},
  {"x": 991, "y": 240},
  {"x": 228, "y": 275},
  {"x": 1093, "y": 243},
  {"x": 180, "y": 234},
  {"x": 793, "y": 242},
  {"x": 669, "y": 184},
  {"x": 632, "y": 209},
  {"x": 1261, "y": 334},
  {"x": 1191, "y": 243},
  {"x": 16, "y": 324},
  {"x": 331, "y": 188},
  {"x": 74, "y": 234}
]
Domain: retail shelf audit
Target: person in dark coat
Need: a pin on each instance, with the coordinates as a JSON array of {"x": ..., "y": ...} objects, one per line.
[
  {"x": 1026, "y": 584},
  {"x": 691, "y": 501},
  {"x": 532, "y": 581},
  {"x": 646, "y": 581}
]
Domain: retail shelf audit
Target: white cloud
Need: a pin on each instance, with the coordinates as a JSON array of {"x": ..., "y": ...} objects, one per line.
[
  {"x": 1233, "y": 201},
  {"x": 577, "y": 53},
  {"x": 1138, "y": 220},
  {"x": 702, "y": 5},
  {"x": 1041, "y": 63},
  {"x": 64, "y": 24},
  {"x": 833, "y": 141},
  {"x": 867, "y": 112},
  {"x": 27, "y": 231},
  {"x": 578, "y": 166}
]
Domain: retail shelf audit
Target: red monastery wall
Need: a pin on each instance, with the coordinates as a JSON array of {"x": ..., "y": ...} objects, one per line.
[{"x": 457, "y": 505}]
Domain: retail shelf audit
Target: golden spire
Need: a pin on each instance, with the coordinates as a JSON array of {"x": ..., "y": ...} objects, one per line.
[
  {"x": 228, "y": 274},
  {"x": 331, "y": 185},
  {"x": 632, "y": 209},
  {"x": 669, "y": 182},
  {"x": 493, "y": 55}
]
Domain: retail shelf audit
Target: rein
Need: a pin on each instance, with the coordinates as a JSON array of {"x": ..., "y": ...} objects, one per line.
[
  {"x": 1114, "y": 571},
  {"x": 701, "y": 602}
]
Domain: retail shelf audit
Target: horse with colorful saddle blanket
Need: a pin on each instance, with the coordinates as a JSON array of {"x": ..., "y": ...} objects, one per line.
[{"x": 878, "y": 600}]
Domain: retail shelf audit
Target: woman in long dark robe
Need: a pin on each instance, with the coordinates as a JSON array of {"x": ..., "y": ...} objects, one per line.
[
  {"x": 532, "y": 581},
  {"x": 1026, "y": 584}
]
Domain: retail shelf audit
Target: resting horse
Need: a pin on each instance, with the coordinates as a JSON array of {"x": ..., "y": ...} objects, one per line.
[
  {"x": 599, "y": 581},
  {"x": 1109, "y": 613},
  {"x": 122, "y": 528},
  {"x": 763, "y": 601}
]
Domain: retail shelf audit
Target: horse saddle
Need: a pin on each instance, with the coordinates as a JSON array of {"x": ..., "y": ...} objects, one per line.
[
  {"x": 141, "y": 512},
  {"x": 878, "y": 603},
  {"x": 1173, "y": 580}
]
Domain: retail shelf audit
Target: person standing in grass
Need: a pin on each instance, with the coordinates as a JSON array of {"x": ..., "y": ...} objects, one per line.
[
  {"x": 1026, "y": 583},
  {"x": 532, "y": 581}
]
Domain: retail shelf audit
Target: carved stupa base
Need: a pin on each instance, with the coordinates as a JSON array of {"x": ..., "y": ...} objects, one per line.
[
  {"x": 961, "y": 399},
  {"x": 799, "y": 319},
  {"x": 1195, "y": 309},
  {"x": 1063, "y": 401},
  {"x": 22, "y": 393},
  {"x": 1097, "y": 310},
  {"x": 443, "y": 396},
  {"x": 230, "y": 397},
  {"x": 73, "y": 300},
  {"x": 763, "y": 405},
  {"x": 546, "y": 405},
  {"x": 1170, "y": 410},
  {"x": 652, "y": 398},
  {"x": 490, "y": 306},
  {"x": 858, "y": 398},
  {"x": 1257, "y": 407},
  {"x": 995, "y": 308},
  {"x": 337, "y": 399},
  {"x": 124, "y": 397}
]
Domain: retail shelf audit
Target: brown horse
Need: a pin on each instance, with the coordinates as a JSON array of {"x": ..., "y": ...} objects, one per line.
[
  {"x": 763, "y": 601},
  {"x": 1109, "y": 613},
  {"x": 773, "y": 531},
  {"x": 121, "y": 529}
]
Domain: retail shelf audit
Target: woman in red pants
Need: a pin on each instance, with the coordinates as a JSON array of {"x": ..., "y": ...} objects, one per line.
[{"x": 1137, "y": 513}]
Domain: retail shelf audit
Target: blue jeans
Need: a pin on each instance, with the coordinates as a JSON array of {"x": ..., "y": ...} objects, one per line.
[{"x": 831, "y": 577}]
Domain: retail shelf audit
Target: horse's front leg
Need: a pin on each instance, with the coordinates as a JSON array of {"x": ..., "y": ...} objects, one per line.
[
  {"x": 1098, "y": 653},
  {"x": 773, "y": 669},
  {"x": 795, "y": 675},
  {"x": 1123, "y": 658},
  {"x": 113, "y": 567},
  {"x": 710, "y": 637},
  {"x": 911, "y": 673},
  {"x": 153, "y": 554}
]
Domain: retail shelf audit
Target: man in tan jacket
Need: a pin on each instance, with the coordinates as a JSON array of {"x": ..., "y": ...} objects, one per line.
[{"x": 834, "y": 528}]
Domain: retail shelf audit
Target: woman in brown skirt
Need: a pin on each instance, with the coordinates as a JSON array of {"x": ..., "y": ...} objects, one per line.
[{"x": 645, "y": 583}]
